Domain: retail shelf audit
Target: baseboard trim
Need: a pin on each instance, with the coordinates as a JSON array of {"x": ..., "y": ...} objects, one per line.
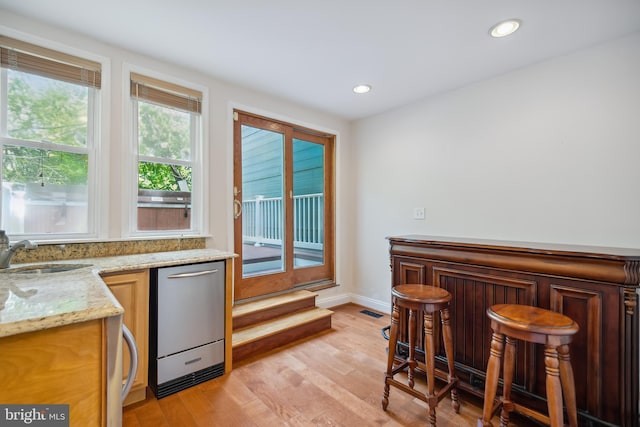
[
  {"x": 381, "y": 306},
  {"x": 336, "y": 300},
  {"x": 333, "y": 301}
]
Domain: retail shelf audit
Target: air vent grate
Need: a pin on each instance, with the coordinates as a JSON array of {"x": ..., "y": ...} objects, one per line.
[{"x": 371, "y": 313}]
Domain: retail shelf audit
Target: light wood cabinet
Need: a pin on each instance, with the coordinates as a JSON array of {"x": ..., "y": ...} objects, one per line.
[
  {"x": 131, "y": 289},
  {"x": 62, "y": 365}
]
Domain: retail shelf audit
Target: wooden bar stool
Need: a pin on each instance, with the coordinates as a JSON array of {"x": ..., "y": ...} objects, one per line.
[
  {"x": 536, "y": 325},
  {"x": 427, "y": 299}
]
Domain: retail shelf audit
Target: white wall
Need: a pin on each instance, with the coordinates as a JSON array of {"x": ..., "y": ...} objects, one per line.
[
  {"x": 223, "y": 97},
  {"x": 548, "y": 153},
  {"x": 545, "y": 154}
]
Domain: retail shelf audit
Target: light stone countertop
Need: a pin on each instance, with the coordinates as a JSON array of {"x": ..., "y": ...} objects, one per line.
[{"x": 36, "y": 301}]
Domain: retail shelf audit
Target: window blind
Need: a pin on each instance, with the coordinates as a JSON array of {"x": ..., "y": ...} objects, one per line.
[
  {"x": 29, "y": 58},
  {"x": 164, "y": 93}
]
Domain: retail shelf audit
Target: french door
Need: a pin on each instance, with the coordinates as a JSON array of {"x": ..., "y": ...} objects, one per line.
[{"x": 283, "y": 206}]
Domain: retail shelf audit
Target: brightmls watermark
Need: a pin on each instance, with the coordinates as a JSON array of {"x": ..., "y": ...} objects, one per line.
[{"x": 34, "y": 415}]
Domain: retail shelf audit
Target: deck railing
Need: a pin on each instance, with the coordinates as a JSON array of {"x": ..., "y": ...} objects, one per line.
[{"x": 263, "y": 221}]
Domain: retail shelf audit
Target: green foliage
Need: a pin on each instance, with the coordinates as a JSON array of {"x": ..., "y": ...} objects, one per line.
[
  {"x": 163, "y": 132},
  {"x": 30, "y": 165},
  {"x": 42, "y": 109},
  {"x": 156, "y": 176}
]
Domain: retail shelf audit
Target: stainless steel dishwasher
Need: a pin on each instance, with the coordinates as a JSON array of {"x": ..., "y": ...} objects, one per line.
[{"x": 186, "y": 326}]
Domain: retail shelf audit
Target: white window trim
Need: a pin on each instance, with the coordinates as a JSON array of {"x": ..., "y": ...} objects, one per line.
[
  {"x": 129, "y": 158},
  {"x": 98, "y": 181}
]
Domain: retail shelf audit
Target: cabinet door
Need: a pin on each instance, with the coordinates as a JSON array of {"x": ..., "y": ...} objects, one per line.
[
  {"x": 132, "y": 292},
  {"x": 410, "y": 271},
  {"x": 595, "y": 348},
  {"x": 65, "y": 365}
]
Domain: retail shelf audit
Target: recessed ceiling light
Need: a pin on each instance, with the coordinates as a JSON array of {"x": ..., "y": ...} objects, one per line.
[
  {"x": 362, "y": 88},
  {"x": 505, "y": 28}
]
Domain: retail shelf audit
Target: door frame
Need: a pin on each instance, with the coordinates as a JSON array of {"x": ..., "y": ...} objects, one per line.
[{"x": 291, "y": 277}]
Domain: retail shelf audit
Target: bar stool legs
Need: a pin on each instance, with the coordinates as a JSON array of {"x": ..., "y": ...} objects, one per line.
[
  {"x": 491, "y": 382},
  {"x": 393, "y": 341},
  {"x": 509, "y": 363},
  {"x": 429, "y": 360},
  {"x": 427, "y": 299},
  {"x": 412, "y": 348},
  {"x": 448, "y": 348},
  {"x": 554, "y": 391},
  {"x": 566, "y": 379},
  {"x": 536, "y": 325}
]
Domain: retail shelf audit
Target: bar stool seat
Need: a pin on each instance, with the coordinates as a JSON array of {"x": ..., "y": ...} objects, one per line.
[
  {"x": 532, "y": 324},
  {"x": 427, "y": 299}
]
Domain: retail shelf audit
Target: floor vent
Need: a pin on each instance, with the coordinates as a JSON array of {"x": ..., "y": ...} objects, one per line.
[{"x": 371, "y": 313}]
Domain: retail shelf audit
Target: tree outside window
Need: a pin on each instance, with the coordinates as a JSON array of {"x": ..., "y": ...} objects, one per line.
[
  {"x": 167, "y": 123},
  {"x": 45, "y": 156}
]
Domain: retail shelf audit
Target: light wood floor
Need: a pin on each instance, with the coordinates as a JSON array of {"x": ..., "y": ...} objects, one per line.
[{"x": 335, "y": 379}]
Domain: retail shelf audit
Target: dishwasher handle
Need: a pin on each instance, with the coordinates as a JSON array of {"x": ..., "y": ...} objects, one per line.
[
  {"x": 193, "y": 274},
  {"x": 133, "y": 363}
]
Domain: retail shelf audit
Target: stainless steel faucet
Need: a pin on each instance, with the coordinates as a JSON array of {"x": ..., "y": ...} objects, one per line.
[{"x": 6, "y": 251}]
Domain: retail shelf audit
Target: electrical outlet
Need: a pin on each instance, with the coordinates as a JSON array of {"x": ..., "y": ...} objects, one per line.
[{"x": 418, "y": 213}]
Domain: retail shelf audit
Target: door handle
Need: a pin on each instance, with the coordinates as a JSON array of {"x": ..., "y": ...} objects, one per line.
[
  {"x": 193, "y": 274},
  {"x": 237, "y": 208}
]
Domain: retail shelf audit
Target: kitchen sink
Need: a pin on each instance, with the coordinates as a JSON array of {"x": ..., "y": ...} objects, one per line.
[{"x": 43, "y": 268}]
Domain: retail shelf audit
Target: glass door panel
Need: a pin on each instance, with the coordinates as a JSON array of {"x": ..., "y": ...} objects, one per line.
[
  {"x": 263, "y": 226},
  {"x": 283, "y": 207},
  {"x": 308, "y": 203}
]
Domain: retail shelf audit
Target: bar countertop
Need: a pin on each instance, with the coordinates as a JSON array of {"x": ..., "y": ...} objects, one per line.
[{"x": 516, "y": 246}]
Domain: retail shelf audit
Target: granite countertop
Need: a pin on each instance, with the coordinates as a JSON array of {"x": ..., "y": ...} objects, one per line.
[{"x": 36, "y": 301}]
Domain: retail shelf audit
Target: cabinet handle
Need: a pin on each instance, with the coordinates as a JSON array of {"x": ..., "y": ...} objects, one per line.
[
  {"x": 133, "y": 363},
  {"x": 194, "y": 274}
]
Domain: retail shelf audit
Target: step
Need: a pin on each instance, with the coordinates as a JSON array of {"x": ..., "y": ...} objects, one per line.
[
  {"x": 278, "y": 331},
  {"x": 261, "y": 310}
]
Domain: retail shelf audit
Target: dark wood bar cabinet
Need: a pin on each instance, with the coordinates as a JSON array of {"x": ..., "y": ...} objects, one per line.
[{"x": 595, "y": 286}]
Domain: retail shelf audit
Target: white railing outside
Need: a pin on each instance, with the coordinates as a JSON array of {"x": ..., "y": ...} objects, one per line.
[{"x": 262, "y": 221}]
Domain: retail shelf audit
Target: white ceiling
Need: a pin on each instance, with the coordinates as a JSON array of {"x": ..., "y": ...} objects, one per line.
[{"x": 314, "y": 52}]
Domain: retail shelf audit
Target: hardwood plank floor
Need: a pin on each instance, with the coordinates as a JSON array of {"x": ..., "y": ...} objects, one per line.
[{"x": 335, "y": 378}]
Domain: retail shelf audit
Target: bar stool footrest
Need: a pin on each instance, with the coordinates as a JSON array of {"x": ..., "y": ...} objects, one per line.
[
  {"x": 442, "y": 393},
  {"x": 400, "y": 368},
  {"x": 531, "y": 413},
  {"x": 439, "y": 373},
  {"x": 402, "y": 386},
  {"x": 429, "y": 400}
]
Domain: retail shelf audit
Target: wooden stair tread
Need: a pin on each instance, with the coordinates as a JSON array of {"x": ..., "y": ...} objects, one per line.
[
  {"x": 274, "y": 326},
  {"x": 248, "y": 308}
]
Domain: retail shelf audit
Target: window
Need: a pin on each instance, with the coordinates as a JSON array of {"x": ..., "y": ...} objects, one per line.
[
  {"x": 167, "y": 137},
  {"x": 48, "y": 122}
]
